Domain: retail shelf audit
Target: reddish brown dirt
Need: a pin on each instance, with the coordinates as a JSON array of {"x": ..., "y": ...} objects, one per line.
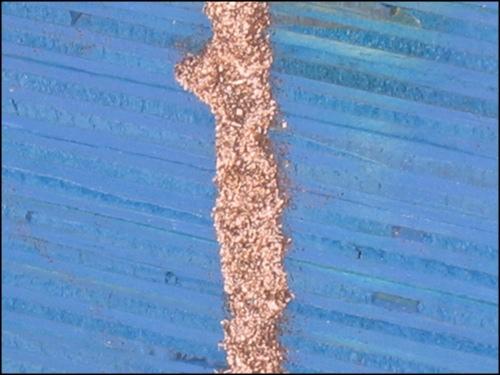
[{"x": 231, "y": 75}]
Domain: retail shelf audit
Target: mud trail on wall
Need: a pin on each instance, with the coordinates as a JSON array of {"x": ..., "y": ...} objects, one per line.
[{"x": 231, "y": 75}]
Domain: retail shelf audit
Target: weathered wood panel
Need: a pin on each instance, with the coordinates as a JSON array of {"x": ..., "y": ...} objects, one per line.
[{"x": 109, "y": 257}]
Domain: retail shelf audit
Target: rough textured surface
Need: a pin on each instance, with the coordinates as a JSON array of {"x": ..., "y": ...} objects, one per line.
[
  {"x": 109, "y": 258},
  {"x": 232, "y": 77}
]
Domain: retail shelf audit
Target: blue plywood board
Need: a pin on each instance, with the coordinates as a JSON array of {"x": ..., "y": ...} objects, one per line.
[{"x": 109, "y": 260}]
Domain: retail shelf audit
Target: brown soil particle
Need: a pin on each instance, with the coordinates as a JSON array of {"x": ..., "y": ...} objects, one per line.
[{"x": 232, "y": 77}]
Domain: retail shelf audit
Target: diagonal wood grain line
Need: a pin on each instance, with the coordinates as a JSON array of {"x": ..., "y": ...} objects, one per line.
[{"x": 232, "y": 77}]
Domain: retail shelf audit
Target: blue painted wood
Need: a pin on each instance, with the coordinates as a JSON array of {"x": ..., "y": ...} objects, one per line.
[{"x": 109, "y": 257}]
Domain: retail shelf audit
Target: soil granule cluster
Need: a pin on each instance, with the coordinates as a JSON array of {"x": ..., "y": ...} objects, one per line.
[{"x": 231, "y": 75}]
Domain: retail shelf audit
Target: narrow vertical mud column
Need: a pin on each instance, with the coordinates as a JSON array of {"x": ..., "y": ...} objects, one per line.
[{"x": 231, "y": 75}]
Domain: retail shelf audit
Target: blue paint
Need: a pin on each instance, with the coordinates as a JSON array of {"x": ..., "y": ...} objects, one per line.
[{"x": 109, "y": 256}]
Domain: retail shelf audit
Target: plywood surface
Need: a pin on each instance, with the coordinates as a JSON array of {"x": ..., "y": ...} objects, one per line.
[{"x": 109, "y": 260}]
